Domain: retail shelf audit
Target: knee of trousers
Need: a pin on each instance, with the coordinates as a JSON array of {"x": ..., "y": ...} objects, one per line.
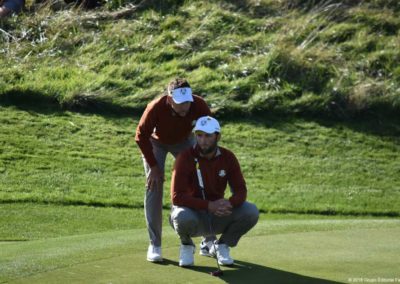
[
  {"x": 184, "y": 219},
  {"x": 250, "y": 213}
]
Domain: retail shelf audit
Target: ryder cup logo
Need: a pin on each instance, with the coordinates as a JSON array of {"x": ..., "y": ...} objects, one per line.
[
  {"x": 222, "y": 173},
  {"x": 203, "y": 122},
  {"x": 183, "y": 91}
]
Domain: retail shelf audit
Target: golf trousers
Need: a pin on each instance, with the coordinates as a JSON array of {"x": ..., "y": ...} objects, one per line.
[
  {"x": 154, "y": 196},
  {"x": 190, "y": 223}
]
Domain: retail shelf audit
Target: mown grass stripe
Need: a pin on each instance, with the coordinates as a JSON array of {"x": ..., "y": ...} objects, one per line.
[{"x": 354, "y": 213}]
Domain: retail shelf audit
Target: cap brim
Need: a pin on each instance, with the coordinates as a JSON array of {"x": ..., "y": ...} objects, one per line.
[
  {"x": 182, "y": 100},
  {"x": 208, "y": 131}
]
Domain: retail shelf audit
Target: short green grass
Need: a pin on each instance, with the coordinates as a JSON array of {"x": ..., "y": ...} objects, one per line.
[
  {"x": 47, "y": 221},
  {"x": 283, "y": 250},
  {"x": 30, "y": 221},
  {"x": 290, "y": 166}
]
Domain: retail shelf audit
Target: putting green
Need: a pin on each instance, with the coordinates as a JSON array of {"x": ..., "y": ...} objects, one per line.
[{"x": 276, "y": 251}]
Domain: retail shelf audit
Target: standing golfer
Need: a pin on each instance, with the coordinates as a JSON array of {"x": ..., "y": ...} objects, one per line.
[
  {"x": 165, "y": 127},
  {"x": 198, "y": 185}
]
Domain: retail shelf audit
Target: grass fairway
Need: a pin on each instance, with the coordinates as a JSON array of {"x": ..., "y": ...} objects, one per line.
[{"x": 317, "y": 250}]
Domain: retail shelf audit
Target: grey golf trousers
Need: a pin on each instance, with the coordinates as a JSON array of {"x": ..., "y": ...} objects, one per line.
[
  {"x": 154, "y": 196},
  {"x": 190, "y": 223}
]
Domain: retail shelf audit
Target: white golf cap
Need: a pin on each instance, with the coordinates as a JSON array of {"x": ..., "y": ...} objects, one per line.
[
  {"x": 208, "y": 125},
  {"x": 182, "y": 95}
]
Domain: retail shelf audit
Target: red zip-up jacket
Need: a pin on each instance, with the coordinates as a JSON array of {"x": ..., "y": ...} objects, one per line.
[
  {"x": 161, "y": 123},
  {"x": 217, "y": 173}
]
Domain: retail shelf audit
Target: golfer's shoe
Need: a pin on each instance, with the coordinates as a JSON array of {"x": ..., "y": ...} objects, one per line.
[
  {"x": 186, "y": 255},
  {"x": 205, "y": 248},
  {"x": 222, "y": 252},
  {"x": 154, "y": 254}
]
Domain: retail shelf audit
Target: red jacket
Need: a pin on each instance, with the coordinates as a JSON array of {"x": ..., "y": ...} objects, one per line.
[
  {"x": 217, "y": 172},
  {"x": 160, "y": 122}
]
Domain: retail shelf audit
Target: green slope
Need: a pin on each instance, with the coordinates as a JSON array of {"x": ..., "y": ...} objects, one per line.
[
  {"x": 290, "y": 165},
  {"x": 325, "y": 58}
]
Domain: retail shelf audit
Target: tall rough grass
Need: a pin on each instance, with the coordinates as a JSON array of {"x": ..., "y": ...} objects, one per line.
[{"x": 328, "y": 58}]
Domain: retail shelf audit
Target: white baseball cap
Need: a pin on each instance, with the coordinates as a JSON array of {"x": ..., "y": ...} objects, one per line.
[
  {"x": 208, "y": 125},
  {"x": 182, "y": 95}
]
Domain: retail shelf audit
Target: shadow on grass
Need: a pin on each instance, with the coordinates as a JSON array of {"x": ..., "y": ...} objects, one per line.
[
  {"x": 36, "y": 102},
  {"x": 30, "y": 101},
  {"x": 381, "y": 126},
  {"x": 245, "y": 272},
  {"x": 380, "y": 123}
]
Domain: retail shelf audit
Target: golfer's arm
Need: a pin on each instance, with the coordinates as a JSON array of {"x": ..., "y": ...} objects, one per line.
[
  {"x": 186, "y": 200},
  {"x": 181, "y": 185},
  {"x": 237, "y": 183},
  {"x": 144, "y": 130}
]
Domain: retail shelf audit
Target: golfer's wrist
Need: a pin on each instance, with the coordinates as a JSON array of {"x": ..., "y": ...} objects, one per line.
[{"x": 210, "y": 207}]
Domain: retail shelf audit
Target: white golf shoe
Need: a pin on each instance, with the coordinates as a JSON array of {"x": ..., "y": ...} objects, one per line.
[
  {"x": 154, "y": 254},
  {"x": 205, "y": 249},
  {"x": 222, "y": 252},
  {"x": 186, "y": 255}
]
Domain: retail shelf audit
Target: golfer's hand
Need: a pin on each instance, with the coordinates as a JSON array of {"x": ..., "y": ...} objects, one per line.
[
  {"x": 220, "y": 207},
  {"x": 155, "y": 178}
]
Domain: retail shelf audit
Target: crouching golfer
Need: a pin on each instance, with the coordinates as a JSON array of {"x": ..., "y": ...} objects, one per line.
[
  {"x": 165, "y": 127},
  {"x": 201, "y": 174}
]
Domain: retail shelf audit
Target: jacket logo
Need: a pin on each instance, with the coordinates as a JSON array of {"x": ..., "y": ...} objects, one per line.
[{"x": 222, "y": 173}]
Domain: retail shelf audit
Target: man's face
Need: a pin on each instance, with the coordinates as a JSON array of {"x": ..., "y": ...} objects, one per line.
[
  {"x": 207, "y": 142},
  {"x": 181, "y": 109}
]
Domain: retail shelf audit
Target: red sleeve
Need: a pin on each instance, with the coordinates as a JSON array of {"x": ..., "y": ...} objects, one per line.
[
  {"x": 236, "y": 182},
  {"x": 143, "y": 133},
  {"x": 183, "y": 183},
  {"x": 203, "y": 108}
]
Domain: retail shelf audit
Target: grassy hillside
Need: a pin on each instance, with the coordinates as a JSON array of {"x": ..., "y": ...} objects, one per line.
[
  {"x": 325, "y": 58},
  {"x": 299, "y": 166},
  {"x": 321, "y": 58}
]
